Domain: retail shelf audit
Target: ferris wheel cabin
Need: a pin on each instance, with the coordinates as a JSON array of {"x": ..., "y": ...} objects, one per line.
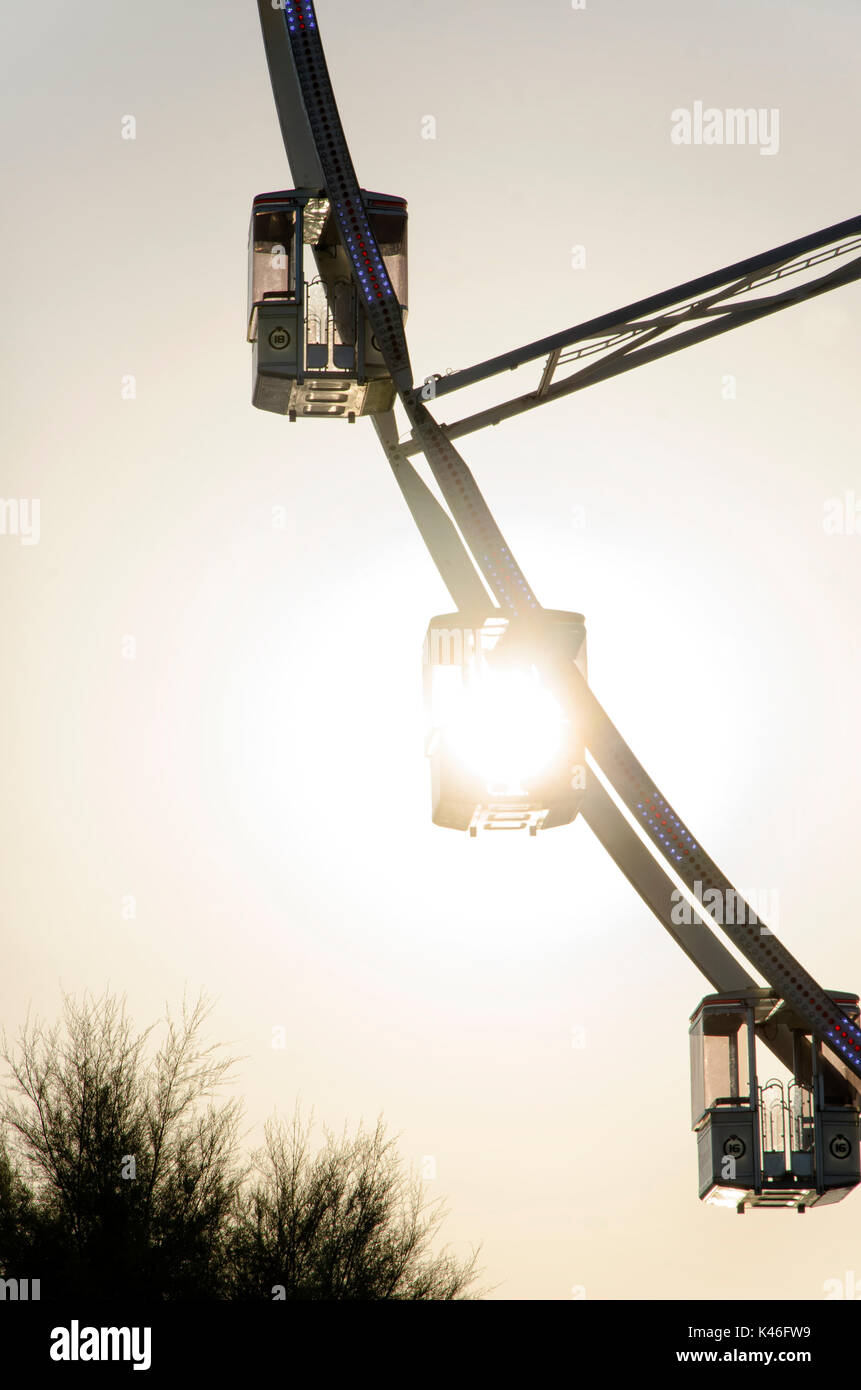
[
  {"x": 314, "y": 351},
  {"x": 506, "y": 751},
  {"x": 791, "y": 1142}
]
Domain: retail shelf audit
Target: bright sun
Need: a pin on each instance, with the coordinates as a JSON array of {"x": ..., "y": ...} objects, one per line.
[{"x": 506, "y": 727}]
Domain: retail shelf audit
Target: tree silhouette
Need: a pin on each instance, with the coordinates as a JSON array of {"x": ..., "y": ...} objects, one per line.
[
  {"x": 117, "y": 1177},
  {"x": 121, "y": 1175},
  {"x": 344, "y": 1223}
]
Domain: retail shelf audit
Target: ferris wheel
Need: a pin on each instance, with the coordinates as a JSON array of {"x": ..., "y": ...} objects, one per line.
[{"x": 511, "y": 714}]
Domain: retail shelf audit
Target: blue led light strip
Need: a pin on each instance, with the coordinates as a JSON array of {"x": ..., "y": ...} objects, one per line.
[
  {"x": 701, "y": 874},
  {"x": 461, "y": 492}
]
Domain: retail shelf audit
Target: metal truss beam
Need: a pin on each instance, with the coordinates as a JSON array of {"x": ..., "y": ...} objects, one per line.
[{"x": 665, "y": 323}]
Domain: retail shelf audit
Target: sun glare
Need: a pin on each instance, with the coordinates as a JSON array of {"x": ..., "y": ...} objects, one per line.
[{"x": 505, "y": 727}]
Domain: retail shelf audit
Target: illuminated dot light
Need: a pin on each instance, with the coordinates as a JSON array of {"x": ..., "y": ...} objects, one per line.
[
  {"x": 359, "y": 247},
  {"x": 301, "y": 16},
  {"x": 666, "y": 827},
  {"x": 848, "y": 1048}
]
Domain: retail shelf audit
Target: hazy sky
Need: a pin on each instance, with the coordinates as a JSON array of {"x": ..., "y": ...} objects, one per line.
[{"x": 253, "y": 776}]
